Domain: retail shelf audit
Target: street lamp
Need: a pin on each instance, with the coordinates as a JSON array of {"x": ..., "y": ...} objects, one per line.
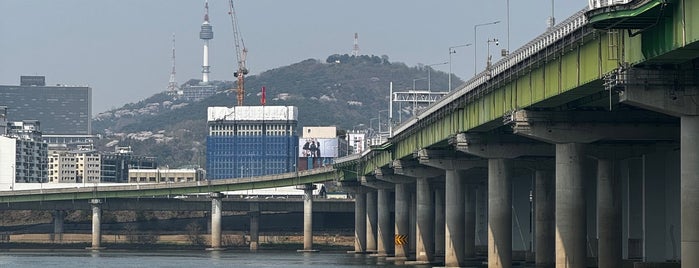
[
  {"x": 552, "y": 19},
  {"x": 488, "y": 63},
  {"x": 429, "y": 67},
  {"x": 380, "y": 120},
  {"x": 371, "y": 123},
  {"x": 417, "y": 79},
  {"x": 475, "y": 48},
  {"x": 452, "y": 51}
]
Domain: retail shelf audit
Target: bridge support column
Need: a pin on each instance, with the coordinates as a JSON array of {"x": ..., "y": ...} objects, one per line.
[
  {"x": 384, "y": 232},
  {"x": 254, "y": 214},
  {"x": 456, "y": 233},
  {"x": 215, "y": 221},
  {"x": 470, "y": 220},
  {"x": 360, "y": 222},
  {"x": 58, "y": 219},
  {"x": 439, "y": 220},
  {"x": 371, "y": 221},
  {"x": 424, "y": 236},
  {"x": 571, "y": 230},
  {"x": 499, "y": 213},
  {"x": 454, "y": 255},
  {"x": 545, "y": 224},
  {"x": 413, "y": 219},
  {"x": 676, "y": 97},
  {"x": 402, "y": 225},
  {"x": 307, "y": 217},
  {"x": 96, "y": 224},
  {"x": 482, "y": 214},
  {"x": 689, "y": 193},
  {"x": 609, "y": 212}
]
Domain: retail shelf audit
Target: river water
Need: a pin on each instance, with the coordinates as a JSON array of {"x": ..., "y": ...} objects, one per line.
[{"x": 200, "y": 259}]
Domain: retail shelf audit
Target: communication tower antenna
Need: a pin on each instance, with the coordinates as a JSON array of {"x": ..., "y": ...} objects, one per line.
[
  {"x": 355, "y": 49},
  {"x": 206, "y": 34},
  {"x": 172, "y": 86}
]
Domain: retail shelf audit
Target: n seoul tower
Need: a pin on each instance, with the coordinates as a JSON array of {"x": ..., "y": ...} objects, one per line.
[{"x": 206, "y": 34}]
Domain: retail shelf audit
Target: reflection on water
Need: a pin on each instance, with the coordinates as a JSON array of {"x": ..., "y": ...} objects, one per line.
[{"x": 208, "y": 259}]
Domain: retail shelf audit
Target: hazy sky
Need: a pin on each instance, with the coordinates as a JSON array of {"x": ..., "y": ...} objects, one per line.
[{"x": 122, "y": 48}]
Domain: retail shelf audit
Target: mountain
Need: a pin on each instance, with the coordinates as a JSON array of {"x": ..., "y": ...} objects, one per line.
[{"x": 343, "y": 91}]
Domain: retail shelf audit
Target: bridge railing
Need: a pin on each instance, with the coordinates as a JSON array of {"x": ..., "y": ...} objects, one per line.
[
  {"x": 553, "y": 35},
  {"x": 594, "y": 4},
  {"x": 154, "y": 186}
]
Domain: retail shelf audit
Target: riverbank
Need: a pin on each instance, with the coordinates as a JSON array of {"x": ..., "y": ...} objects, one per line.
[{"x": 172, "y": 242}]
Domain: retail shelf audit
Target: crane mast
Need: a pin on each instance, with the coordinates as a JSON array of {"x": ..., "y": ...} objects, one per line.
[{"x": 240, "y": 53}]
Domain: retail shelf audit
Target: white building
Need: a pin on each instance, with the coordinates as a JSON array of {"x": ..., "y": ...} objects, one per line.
[
  {"x": 166, "y": 175},
  {"x": 74, "y": 166}
]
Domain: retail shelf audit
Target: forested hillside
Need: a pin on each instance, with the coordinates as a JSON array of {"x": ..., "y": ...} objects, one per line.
[{"x": 342, "y": 91}]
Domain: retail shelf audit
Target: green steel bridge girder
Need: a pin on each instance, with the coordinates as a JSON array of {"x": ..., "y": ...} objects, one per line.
[{"x": 567, "y": 75}]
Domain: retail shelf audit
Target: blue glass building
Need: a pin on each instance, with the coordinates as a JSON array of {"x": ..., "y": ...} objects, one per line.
[{"x": 247, "y": 141}]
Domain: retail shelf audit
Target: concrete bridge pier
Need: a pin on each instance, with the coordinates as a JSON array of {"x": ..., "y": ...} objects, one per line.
[
  {"x": 385, "y": 232},
  {"x": 412, "y": 219},
  {"x": 402, "y": 224},
  {"x": 402, "y": 185},
  {"x": 571, "y": 230},
  {"x": 307, "y": 217},
  {"x": 544, "y": 218},
  {"x": 424, "y": 236},
  {"x": 439, "y": 219},
  {"x": 675, "y": 97},
  {"x": 499, "y": 212},
  {"x": 379, "y": 231},
  {"x": 96, "y": 224},
  {"x": 500, "y": 150},
  {"x": 215, "y": 221},
  {"x": 58, "y": 219},
  {"x": 254, "y": 215},
  {"x": 571, "y": 132},
  {"x": 359, "y": 221},
  {"x": 609, "y": 212},
  {"x": 456, "y": 233},
  {"x": 371, "y": 222}
]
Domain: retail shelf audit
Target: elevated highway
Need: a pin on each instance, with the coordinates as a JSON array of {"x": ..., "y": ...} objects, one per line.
[{"x": 595, "y": 120}]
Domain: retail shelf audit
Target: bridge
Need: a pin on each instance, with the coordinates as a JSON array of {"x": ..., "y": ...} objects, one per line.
[
  {"x": 597, "y": 116},
  {"x": 122, "y": 196}
]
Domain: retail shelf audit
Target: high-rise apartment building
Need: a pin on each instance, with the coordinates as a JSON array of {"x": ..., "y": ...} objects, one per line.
[
  {"x": 23, "y": 154},
  {"x": 246, "y": 141}
]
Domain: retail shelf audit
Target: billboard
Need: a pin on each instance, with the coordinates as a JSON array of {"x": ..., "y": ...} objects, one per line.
[{"x": 318, "y": 147}]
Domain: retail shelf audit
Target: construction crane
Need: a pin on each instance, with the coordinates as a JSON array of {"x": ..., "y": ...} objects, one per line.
[{"x": 240, "y": 53}]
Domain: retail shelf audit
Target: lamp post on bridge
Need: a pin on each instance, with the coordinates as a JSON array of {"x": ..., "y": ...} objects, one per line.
[
  {"x": 488, "y": 63},
  {"x": 417, "y": 79},
  {"x": 429, "y": 68},
  {"x": 475, "y": 48},
  {"x": 385, "y": 110},
  {"x": 452, "y": 50}
]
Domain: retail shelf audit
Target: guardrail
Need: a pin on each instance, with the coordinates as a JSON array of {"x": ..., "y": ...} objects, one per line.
[{"x": 556, "y": 33}]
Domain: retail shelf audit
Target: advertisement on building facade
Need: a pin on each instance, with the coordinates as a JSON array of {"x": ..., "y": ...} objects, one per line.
[{"x": 318, "y": 147}]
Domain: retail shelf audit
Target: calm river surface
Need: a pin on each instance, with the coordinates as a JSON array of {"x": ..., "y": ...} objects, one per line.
[{"x": 199, "y": 259}]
